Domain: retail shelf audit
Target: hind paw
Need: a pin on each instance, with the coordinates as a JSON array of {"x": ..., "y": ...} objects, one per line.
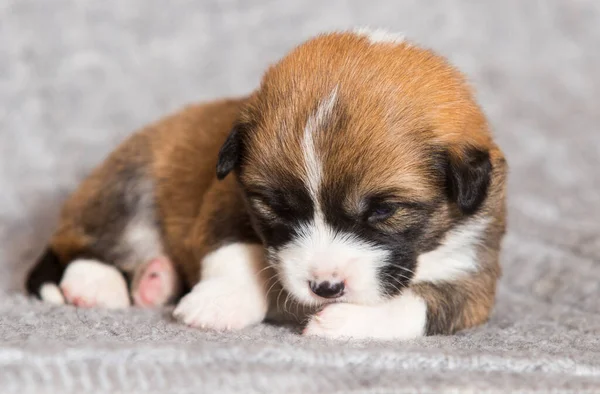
[
  {"x": 157, "y": 285},
  {"x": 89, "y": 283}
]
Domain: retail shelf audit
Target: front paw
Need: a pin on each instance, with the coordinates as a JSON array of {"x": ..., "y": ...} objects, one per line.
[
  {"x": 220, "y": 304},
  {"x": 341, "y": 321},
  {"x": 402, "y": 318}
]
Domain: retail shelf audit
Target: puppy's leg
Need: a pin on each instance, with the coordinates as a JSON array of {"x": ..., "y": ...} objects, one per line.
[
  {"x": 91, "y": 283},
  {"x": 422, "y": 309},
  {"x": 232, "y": 292}
]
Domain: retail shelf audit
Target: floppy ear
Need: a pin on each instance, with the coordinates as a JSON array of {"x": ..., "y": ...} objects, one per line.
[
  {"x": 468, "y": 178},
  {"x": 231, "y": 152}
]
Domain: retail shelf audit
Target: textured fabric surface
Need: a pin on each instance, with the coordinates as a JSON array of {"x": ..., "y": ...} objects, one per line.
[{"x": 77, "y": 76}]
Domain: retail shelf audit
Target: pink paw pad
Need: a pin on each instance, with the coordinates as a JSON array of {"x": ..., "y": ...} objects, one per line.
[{"x": 157, "y": 283}]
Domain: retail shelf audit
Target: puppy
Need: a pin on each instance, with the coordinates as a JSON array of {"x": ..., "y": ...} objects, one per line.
[{"x": 360, "y": 179}]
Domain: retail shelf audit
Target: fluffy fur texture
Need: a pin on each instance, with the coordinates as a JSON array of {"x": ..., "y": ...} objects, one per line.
[{"x": 369, "y": 176}]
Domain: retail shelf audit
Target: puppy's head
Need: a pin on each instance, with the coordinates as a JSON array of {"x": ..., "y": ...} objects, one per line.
[{"x": 357, "y": 156}]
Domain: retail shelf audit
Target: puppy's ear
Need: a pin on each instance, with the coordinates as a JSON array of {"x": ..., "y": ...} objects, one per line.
[
  {"x": 231, "y": 152},
  {"x": 468, "y": 176}
]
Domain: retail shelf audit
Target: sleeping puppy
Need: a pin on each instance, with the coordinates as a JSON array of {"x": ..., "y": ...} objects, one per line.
[{"x": 360, "y": 179}]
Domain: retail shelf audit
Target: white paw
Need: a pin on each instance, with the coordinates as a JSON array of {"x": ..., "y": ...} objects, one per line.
[
  {"x": 221, "y": 304},
  {"x": 341, "y": 321},
  {"x": 402, "y": 318},
  {"x": 89, "y": 283}
]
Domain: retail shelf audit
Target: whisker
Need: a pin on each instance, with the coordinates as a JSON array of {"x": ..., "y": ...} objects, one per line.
[
  {"x": 402, "y": 285},
  {"x": 277, "y": 301},
  {"x": 406, "y": 269},
  {"x": 261, "y": 271},
  {"x": 398, "y": 280},
  {"x": 272, "y": 277},
  {"x": 274, "y": 283},
  {"x": 402, "y": 276},
  {"x": 285, "y": 304},
  {"x": 395, "y": 288},
  {"x": 298, "y": 305}
]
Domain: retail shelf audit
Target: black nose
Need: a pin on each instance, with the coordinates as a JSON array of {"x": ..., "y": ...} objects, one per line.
[{"x": 327, "y": 289}]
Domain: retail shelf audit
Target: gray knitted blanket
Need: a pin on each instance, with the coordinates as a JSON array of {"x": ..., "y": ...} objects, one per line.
[{"x": 76, "y": 77}]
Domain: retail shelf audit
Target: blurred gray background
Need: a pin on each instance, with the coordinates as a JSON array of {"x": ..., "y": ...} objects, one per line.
[{"x": 76, "y": 77}]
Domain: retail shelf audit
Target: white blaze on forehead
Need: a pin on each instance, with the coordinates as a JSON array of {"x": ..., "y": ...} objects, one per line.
[
  {"x": 318, "y": 252},
  {"x": 312, "y": 163},
  {"x": 455, "y": 257},
  {"x": 378, "y": 36}
]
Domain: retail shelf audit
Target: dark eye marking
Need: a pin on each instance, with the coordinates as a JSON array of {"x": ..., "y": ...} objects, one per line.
[
  {"x": 383, "y": 206},
  {"x": 286, "y": 204}
]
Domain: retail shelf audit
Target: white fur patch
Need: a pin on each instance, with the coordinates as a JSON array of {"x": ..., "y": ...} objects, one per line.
[
  {"x": 455, "y": 257},
  {"x": 401, "y": 318},
  {"x": 90, "y": 283},
  {"x": 379, "y": 36},
  {"x": 232, "y": 291},
  {"x": 141, "y": 236},
  {"x": 49, "y": 292},
  {"x": 321, "y": 254},
  {"x": 312, "y": 162}
]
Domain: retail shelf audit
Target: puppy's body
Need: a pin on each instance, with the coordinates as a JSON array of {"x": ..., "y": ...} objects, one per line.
[
  {"x": 365, "y": 180},
  {"x": 155, "y": 197}
]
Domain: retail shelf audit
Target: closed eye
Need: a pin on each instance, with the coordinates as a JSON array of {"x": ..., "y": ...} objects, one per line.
[
  {"x": 270, "y": 206},
  {"x": 381, "y": 211},
  {"x": 379, "y": 207},
  {"x": 262, "y": 208}
]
